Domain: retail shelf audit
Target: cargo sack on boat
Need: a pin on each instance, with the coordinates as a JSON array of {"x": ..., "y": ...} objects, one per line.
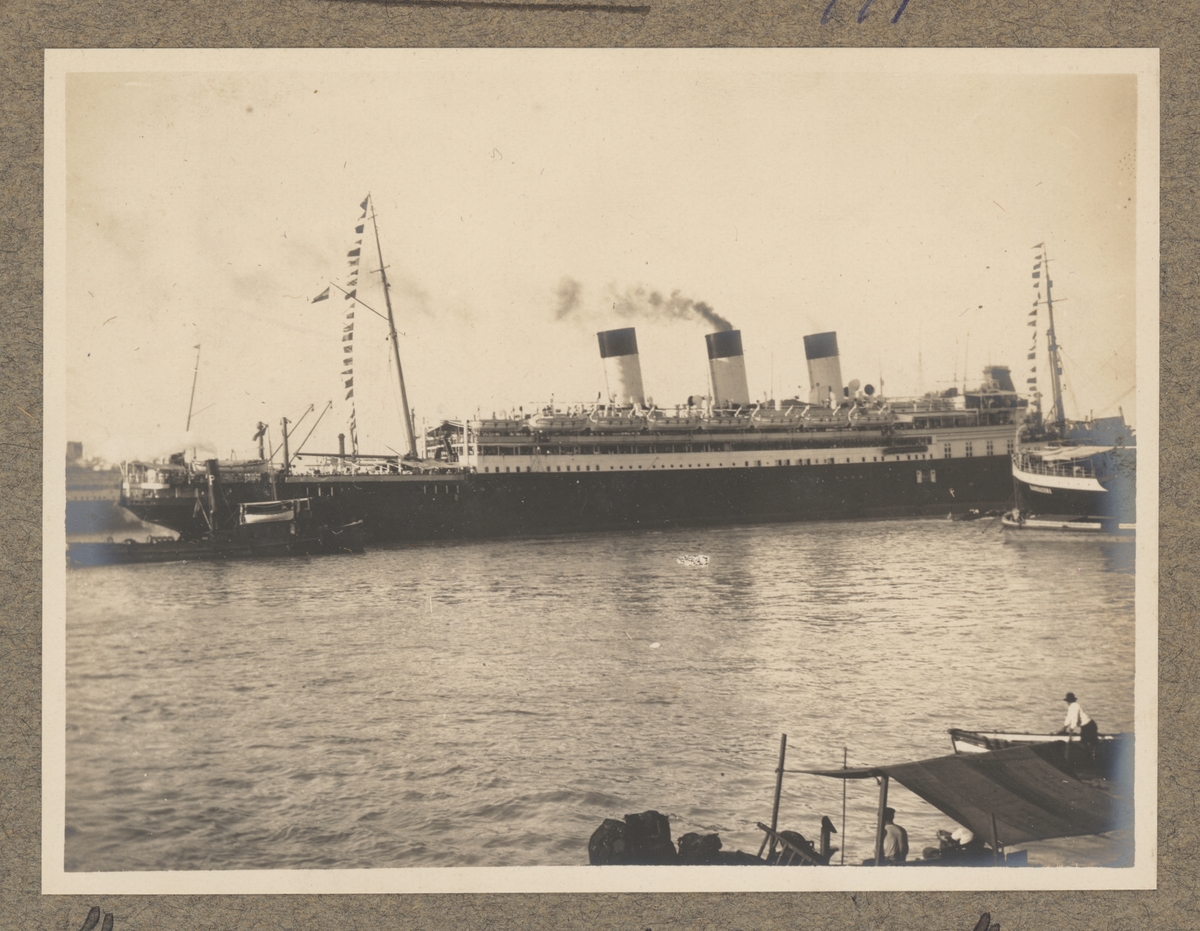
[
  {"x": 649, "y": 838},
  {"x": 608, "y": 845},
  {"x": 697, "y": 849}
]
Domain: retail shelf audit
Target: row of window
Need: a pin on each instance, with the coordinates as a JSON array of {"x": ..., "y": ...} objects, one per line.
[
  {"x": 708, "y": 465},
  {"x": 660, "y": 448},
  {"x": 630, "y": 449}
]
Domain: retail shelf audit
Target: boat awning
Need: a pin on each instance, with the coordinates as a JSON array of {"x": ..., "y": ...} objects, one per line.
[
  {"x": 1030, "y": 798},
  {"x": 1066, "y": 453}
]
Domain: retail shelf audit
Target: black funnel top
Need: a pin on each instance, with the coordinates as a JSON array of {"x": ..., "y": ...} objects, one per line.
[
  {"x": 820, "y": 345},
  {"x": 622, "y": 342},
  {"x": 724, "y": 343}
]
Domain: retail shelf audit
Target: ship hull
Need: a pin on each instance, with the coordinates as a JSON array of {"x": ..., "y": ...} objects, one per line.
[
  {"x": 1105, "y": 492},
  {"x": 404, "y": 508}
]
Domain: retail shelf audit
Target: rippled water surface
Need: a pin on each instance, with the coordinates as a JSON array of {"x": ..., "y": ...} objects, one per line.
[{"x": 489, "y": 703}]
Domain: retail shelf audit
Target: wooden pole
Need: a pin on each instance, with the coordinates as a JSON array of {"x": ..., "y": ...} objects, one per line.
[
  {"x": 778, "y": 790},
  {"x": 845, "y": 757},
  {"x": 995, "y": 842},
  {"x": 883, "y": 789}
]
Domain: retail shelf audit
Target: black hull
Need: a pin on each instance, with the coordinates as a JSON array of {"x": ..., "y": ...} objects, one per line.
[
  {"x": 414, "y": 508},
  {"x": 346, "y": 540}
]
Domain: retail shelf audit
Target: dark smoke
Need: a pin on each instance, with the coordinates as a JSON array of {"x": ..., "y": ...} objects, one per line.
[
  {"x": 568, "y": 293},
  {"x": 646, "y": 304}
]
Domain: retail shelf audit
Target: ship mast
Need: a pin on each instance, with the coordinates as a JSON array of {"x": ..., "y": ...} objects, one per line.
[
  {"x": 1052, "y": 344},
  {"x": 408, "y": 426},
  {"x": 192, "y": 400}
]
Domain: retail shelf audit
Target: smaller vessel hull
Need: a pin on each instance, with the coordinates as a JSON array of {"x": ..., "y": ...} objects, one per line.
[
  {"x": 1025, "y": 521},
  {"x": 345, "y": 539},
  {"x": 984, "y": 741}
]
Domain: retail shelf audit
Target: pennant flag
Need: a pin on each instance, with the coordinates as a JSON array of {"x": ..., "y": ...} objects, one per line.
[
  {"x": 349, "y": 315},
  {"x": 349, "y": 382},
  {"x": 1032, "y": 355},
  {"x": 353, "y": 263},
  {"x": 348, "y": 372},
  {"x": 350, "y": 294},
  {"x": 349, "y": 394},
  {"x": 1033, "y": 368},
  {"x": 359, "y": 228},
  {"x": 1038, "y": 246},
  {"x": 1033, "y": 323},
  {"x": 363, "y": 205},
  {"x": 347, "y": 338},
  {"x": 1037, "y": 265},
  {"x": 353, "y": 252},
  {"x": 348, "y": 328},
  {"x": 1033, "y": 313},
  {"x": 323, "y": 296},
  {"x": 349, "y": 360}
]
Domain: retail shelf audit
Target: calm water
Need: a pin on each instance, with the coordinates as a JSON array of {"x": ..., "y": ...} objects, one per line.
[{"x": 490, "y": 703}]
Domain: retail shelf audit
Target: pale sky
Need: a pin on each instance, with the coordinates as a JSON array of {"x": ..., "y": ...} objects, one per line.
[{"x": 897, "y": 209}]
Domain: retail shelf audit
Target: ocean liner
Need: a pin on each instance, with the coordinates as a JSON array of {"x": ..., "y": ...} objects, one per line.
[
  {"x": 1070, "y": 474},
  {"x": 621, "y": 463}
]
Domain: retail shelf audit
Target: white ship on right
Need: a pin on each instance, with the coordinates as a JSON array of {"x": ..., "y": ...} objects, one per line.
[{"x": 1069, "y": 475}]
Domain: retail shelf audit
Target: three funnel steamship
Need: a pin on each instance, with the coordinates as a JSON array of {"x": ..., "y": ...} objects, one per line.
[{"x": 844, "y": 452}]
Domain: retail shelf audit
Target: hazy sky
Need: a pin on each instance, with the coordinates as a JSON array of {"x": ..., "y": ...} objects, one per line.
[{"x": 521, "y": 196}]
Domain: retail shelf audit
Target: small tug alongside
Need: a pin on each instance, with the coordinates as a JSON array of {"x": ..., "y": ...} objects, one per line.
[
  {"x": 1072, "y": 475},
  {"x": 292, "y": 527}
]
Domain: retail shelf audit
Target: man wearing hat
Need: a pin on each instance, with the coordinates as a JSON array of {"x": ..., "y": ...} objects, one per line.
[{"x": 1079, "y": 722}]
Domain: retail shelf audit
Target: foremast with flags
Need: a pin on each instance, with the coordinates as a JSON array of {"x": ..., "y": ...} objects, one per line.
[
  {"x": 346, "y": 343},
  {"x": 1041, "y": 274}
]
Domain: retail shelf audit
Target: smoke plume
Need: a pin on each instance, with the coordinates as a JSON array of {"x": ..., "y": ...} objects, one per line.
[
  {"x": 640, "y": 302},
  {"x": 568, "y": 295}
]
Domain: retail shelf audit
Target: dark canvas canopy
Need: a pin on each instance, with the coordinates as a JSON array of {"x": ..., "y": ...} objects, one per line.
[{"x": 1030, "y": 798}]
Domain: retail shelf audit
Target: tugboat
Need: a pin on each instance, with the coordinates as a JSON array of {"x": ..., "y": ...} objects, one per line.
[
  {"x": 1078, "y": 475},
  {"x": 292, "y": 527}
]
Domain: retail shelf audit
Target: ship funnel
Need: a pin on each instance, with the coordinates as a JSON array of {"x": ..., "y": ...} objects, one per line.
[
  {"x": 622, "y": 369},
  {"x": 824, "y": 369},
  {"x": 728, "y": 368}
]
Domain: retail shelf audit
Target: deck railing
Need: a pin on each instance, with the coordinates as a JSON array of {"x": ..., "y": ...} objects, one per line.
[{"x": 1027, "y": 463}]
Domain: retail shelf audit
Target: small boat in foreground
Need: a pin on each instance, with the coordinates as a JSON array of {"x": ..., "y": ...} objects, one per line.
[
  {"x": 1038, "y": 787},
  {"x": 983, "y": 741}
]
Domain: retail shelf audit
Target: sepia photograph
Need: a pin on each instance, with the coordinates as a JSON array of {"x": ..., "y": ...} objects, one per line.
[{"x": 568, "y": 470}]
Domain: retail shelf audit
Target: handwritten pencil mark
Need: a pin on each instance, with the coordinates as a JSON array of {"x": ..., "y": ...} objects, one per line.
[
  {"x": 93, "y": 918},
  {"x": 862, "y": 13}
]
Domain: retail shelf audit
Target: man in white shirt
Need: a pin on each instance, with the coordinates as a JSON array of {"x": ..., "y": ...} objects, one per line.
[
  {"x": 1078, "y": 722},
  {"x": 895, "y": 838}
]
